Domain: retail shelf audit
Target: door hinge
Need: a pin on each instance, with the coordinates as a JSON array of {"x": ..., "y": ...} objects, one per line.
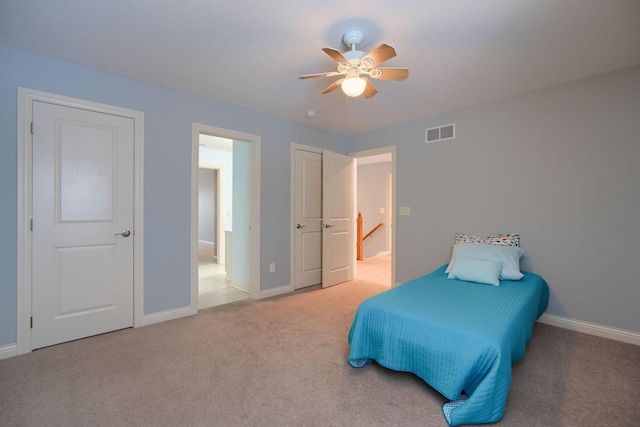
[
  {"x": 31, "y": 321},
  {"x": 31, "y": 128},
  {"x": 31, "y": 224}
]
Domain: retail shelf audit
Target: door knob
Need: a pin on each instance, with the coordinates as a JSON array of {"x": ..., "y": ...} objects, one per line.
[
  {"x": 125, "y": 233},
  {"x": 326, "y": 225},
  {"x": 300, "y": 226}
]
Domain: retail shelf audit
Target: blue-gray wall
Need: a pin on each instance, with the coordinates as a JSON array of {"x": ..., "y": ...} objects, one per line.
[
  {"x": 224, "y": 159},
  {"x": 207, "y": 207},
  {"x": 241, "y": 236},
  {"x": 167, "y": 161},
  {"x": 560, "y": 166}
]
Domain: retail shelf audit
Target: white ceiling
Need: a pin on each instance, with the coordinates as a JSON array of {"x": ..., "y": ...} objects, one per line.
[
  {"x": 215, "y": 142},
  {"x": 250, "y": 53}
]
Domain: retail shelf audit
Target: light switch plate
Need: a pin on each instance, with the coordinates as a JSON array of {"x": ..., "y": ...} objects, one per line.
[{"x": 405, "y": 210}]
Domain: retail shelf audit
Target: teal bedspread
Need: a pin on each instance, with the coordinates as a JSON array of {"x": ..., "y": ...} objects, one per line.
[{"x": 460, "y": 337}]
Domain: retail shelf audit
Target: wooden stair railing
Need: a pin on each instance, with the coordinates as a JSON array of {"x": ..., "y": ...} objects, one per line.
[{"x": 360, "y": 239}]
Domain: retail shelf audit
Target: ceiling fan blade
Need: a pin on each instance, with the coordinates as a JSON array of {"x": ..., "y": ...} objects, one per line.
[
  {"x": 311, "y": 76},
  {"x": 389, "y": 73},
  {"x": 335, "y": 54},
  {"x": 369, "y": 90},
  {"x": 382, "y": 53},
  {"x": 333, "y": 86}
]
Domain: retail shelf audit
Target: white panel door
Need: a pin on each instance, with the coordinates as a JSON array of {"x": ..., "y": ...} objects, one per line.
[
  {"x": 307, "y": 218},
  {"x": 338, "y": 236},
  {"x": 82, "y": 240}
]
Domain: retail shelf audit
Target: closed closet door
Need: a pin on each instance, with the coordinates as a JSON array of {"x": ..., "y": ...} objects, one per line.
[{"x": 82, "y": 239}]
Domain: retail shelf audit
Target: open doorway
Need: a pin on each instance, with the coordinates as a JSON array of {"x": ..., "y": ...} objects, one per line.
[
  {"x": 223, "y": 231},
  {"x": 216, "y": 283},
  {"x": 375, "y": 206}
]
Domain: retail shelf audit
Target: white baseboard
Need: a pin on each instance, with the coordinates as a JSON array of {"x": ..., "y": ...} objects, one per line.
[
  {"x": 163, "y": 316},
  {"x": 616, "y": 334},
  {"x": 239, "y": 286},
  {"x": 8, "y": 350},
  {"x": 274, "y": 292}
]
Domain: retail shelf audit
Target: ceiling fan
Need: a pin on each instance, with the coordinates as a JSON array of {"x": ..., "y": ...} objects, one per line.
[{"x": 354, "y": 66}]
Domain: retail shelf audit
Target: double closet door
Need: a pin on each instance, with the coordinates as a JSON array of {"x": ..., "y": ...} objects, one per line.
[{"x": 324, "y": 218}]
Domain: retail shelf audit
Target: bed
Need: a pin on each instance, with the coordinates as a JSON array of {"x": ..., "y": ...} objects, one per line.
[{"x": 459, "y": 336}]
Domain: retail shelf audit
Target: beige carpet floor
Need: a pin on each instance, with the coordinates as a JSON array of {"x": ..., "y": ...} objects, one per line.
[{"x": 283, "y": 362}]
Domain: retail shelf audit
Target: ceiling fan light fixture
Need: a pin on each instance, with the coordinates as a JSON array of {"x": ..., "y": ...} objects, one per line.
[
  {"x": 353, "y": 86},
  {"x": 355, "y": 66}
]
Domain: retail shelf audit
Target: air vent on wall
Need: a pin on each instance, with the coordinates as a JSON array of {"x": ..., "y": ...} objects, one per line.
[{"x": 441, "y": 133}]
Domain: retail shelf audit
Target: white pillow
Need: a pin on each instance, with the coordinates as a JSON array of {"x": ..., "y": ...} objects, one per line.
[
  {"x": 508, "y": 255},
  {"x": 476, "y": 270}
]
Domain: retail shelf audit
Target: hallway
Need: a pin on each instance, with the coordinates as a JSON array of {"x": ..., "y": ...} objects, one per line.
[
  {"x": 214, "y": 288},
  {"x": 376, "y": 270}
]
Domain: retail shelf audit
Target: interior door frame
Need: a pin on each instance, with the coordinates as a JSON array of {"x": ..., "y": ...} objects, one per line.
[
  {"x": 254, "y": 216},
  {"x": 391, "y": 149},
  {"x": 26, "y": 97}
]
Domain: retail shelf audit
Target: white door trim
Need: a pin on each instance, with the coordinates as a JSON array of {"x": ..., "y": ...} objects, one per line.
[
  {"x": 292, "y": 219},
  {"x": 383, "y": 150},
  {"x": 26, "y": 97},
  {"x": 254, "y": 218}
]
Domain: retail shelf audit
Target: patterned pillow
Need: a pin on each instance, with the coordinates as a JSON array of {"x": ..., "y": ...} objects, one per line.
[{"x": 506, "y": 239}]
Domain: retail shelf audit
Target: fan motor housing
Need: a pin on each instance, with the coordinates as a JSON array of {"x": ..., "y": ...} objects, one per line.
[
  {"x": 352, "y": 37},
  {"x": 353, "y": 54}
]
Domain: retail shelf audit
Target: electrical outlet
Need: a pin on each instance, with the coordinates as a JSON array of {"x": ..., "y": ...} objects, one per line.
[{"x": 272, "y": 267}]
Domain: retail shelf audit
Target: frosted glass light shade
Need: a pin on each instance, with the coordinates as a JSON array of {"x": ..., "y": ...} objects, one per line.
[{"x": 353, "y": 86}]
